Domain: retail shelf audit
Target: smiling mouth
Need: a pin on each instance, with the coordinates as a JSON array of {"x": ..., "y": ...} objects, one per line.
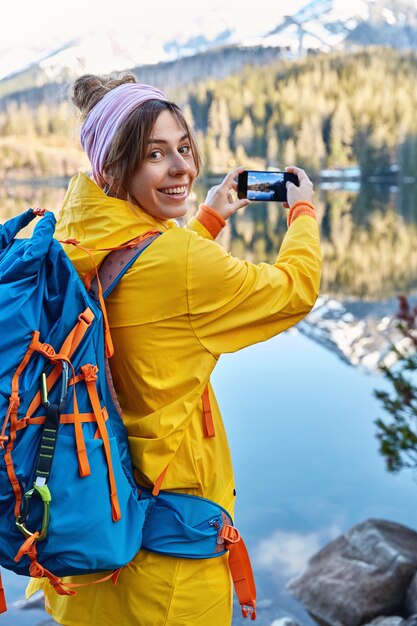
[{"x": 174, "y": 191}]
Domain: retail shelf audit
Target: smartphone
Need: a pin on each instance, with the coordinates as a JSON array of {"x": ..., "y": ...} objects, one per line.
[{"x": 256, "y": 185}]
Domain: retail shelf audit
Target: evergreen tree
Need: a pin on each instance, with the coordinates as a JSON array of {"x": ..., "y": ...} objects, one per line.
[{"x": 398, "y": 434}]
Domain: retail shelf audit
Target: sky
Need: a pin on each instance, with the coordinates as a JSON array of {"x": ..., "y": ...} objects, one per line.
[
  {"x": 40, "y": 22},
  {"x": 46, "y": 24},
  {"x": 32, "y": 29}
]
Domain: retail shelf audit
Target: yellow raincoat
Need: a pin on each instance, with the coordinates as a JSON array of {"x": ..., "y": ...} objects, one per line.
[{"x": 185, "y": 302}]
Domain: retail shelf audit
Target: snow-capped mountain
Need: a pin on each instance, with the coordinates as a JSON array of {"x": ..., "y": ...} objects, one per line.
[
  {"x": 360, "y": 333},
  {"x": 320, "y": 24}
]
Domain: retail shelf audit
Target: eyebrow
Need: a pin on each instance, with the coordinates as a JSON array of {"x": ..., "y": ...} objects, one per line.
[{"x": 185, "y": 136}]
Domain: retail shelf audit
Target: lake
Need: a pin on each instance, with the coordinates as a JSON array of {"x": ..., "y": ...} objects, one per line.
[{"x": 300, "y": 419}]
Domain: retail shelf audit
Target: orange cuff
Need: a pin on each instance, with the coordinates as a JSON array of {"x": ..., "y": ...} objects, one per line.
[
  {"x": 300, "y": 208},
  {"x": 210, "y": 219}
]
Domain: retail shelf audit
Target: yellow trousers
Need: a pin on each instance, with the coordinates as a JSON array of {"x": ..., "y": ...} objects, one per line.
[{"x": 153, "y": 590}]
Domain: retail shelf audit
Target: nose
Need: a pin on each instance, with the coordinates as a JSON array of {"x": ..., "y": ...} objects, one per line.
[{"x": 179, "y": 165}]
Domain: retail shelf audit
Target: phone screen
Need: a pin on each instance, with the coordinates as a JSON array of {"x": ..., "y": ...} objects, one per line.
[{"x": 264, "y": 186}]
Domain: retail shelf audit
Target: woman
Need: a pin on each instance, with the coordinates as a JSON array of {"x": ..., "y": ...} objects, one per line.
[{"x": 181, "y": 305}]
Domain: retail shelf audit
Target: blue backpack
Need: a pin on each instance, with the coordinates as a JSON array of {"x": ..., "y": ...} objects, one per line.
[{"x": 69, "y": 503}]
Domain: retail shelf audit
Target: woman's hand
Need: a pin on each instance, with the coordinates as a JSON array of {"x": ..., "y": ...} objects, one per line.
[
  {"x": 304, "y": 191},
  {"x": 221, "y": 199}
]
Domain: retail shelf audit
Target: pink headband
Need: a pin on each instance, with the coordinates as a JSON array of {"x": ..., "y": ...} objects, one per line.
[{"x": 106, "y": 117}]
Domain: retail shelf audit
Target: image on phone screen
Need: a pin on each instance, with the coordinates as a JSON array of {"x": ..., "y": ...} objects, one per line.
[{"x": 264, "y": 185}]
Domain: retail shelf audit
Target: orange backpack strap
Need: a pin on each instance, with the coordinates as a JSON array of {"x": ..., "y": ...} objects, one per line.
[
  {"x": 241, "y": 570},
  {"x": 36, "y": 570},
  {"x": 3, "y": 605},
  {"x": 90, "y": 377}
]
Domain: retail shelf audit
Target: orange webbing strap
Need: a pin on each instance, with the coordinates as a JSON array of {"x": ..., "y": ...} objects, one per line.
[
  {"x": 113, "y": 576},
  {"x": 25, "y": 360},
  {"x": 8, "y": 461},
  {"x": 74, "y": 338},
  {"x": 107, "y": 336},
  {"x": 94, "y": 272},
  {"x": 90, "y": 377},
  {"x": 208, "y": 424},
  {"x": 83, "y": 464},
  {"x": 68, "y": 348},
  {"x": 12, "y": 415},
  {"x": 13, "y": 405},
  {"x": 49, "y": 352},
  {"x": 3, "y": 605},
  {"x": 158, "y": 482},
  {"x": 241, "y": 570},
  {"x": 128, "y": 244},
  {"x": 64, "y": 418},
  {"x": 36, "y": 570}
]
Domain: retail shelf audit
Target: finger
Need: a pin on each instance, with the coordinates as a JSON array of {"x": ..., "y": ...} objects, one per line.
[
  {"x": 298, "y": 171},
  {"x": 239, "y": 204},
  {"x": 229, "y": 178},
  {"x": 294, "y": 169}
]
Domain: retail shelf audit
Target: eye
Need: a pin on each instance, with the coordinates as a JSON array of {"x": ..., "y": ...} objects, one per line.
[
  {"x": 185, "y": 149},
  {"x": 155, "y": 154}
]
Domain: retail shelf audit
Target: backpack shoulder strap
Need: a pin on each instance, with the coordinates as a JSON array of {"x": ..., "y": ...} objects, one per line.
[{"x": 116, "y": 264}]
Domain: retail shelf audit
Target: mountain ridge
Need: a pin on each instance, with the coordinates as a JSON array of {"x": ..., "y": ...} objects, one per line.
[{"x": 319, "y": 26}]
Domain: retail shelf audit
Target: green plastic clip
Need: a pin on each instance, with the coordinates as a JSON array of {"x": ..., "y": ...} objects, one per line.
[{"x": 43, "y": 492}]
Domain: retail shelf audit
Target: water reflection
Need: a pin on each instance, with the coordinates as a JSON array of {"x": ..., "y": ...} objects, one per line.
[
  {"x": 369, "y": 234},
  {"x": 17, "y": 198},
  {"x": 286, "y": 552},
  {"x": 369, "y": 238}
]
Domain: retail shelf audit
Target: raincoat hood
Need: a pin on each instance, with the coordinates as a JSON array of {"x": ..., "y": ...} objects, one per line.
[{"x": 85, "y": 206}]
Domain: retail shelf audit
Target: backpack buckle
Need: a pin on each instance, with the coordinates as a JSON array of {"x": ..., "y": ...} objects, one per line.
[
  {"x": 46, "y": 350},
  {"x": 249, "y": 609},
  {"x": 89, "y": 373},
  {"x": 230, "y": 534}
]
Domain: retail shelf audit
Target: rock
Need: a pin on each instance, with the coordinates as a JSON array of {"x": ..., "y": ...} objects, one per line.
[
  {"x": 284, "y": 621},
  {"x": 361, "y": 575},
  {"x": 411, "y": 597},
  {"x": 410, "y": 621},
  {"x": 392, "y": 620}
]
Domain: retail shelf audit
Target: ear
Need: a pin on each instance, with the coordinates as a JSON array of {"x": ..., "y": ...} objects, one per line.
[
  {"x": 109, "y": 178},
  {"x": 113, "y": 186}
]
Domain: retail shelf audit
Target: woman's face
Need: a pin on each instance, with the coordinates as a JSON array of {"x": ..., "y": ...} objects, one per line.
[{"x": 162, "y": 184}]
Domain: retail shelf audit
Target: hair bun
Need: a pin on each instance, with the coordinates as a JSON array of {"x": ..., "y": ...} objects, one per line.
[{"x": 88, "y": 89}]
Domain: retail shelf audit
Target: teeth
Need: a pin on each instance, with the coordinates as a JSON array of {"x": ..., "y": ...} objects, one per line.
[{"x": 175, "y": 190}]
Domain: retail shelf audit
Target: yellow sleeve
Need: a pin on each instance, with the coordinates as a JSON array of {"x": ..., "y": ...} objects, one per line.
[{"x": 233, "y": 303}]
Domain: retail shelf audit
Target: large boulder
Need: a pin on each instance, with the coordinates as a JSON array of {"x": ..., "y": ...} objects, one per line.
[
  {"x": 361, "y": 575},
  {"x": 411, "y": 597}
]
